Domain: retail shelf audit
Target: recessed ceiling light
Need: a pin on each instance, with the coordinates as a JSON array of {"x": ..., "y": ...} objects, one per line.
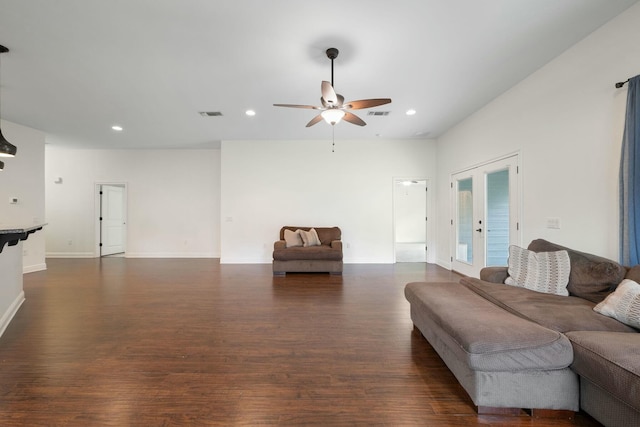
[
  {"x": 250, "y": 113},
  {"x": 411, "y": 112},
  {"x": 117, "y": 128}
]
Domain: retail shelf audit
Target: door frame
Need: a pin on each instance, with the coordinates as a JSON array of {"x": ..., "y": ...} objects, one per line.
[
  {"x": 430, "y": 241},
  {"x": 517, "y": 204},
  {"x": 96, "y": 216}
]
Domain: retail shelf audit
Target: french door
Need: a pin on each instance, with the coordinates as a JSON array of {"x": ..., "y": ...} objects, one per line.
[{"x": 485, "y": 215}]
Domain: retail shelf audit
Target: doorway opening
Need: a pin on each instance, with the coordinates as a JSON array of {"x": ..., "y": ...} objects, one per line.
[
  {"x": 111, "y": 223},
  {"x": 410, "y": 219}
]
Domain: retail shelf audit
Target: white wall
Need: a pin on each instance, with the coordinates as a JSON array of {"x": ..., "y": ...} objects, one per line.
[
  {"x": 268, "y": 184},
  {"x": 23, "y": 178},
  {"x": 566, "y": 120},
  {"x": 173, "y": 200}
]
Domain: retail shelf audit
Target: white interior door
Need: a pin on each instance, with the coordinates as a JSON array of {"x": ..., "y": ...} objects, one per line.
[
  {"x": 112, "y": 219},
  {"x": 485, "y": 215}
]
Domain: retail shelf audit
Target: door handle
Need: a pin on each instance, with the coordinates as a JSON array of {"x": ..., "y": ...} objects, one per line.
[{"x": 479, "y": 230}]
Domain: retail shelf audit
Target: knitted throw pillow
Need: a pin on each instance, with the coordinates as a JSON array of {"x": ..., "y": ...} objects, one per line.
[
  {"x": 310, "y": 238},
  {"x": 546, "y": 272},
  {"x": 623, "y": 304}
]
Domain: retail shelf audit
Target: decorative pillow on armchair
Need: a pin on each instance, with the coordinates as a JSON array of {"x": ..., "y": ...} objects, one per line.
[
  {"x": 546, "y": 272},
  {"x": 309, "y": 238},
  {"x": 292, "y": 238}
]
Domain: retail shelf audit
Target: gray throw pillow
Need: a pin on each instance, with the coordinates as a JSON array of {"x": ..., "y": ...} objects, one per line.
[
  {"x": 623, "y": 304},
  {"x": 546, "y": 272}
]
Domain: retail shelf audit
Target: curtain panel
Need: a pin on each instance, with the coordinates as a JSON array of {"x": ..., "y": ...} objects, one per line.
[{"x": 630, "y": 179}]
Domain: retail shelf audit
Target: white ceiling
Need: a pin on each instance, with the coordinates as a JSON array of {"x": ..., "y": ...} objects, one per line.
[{"x": 76, "y": 67}]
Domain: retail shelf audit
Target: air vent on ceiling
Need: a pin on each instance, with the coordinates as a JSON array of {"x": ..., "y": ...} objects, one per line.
[
  {"x": 210, "y": 113},
  {"x": 378, "y": 113}
]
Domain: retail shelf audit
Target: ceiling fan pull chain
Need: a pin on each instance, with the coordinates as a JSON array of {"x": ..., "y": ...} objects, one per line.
[{"x": 333, "y": 137}]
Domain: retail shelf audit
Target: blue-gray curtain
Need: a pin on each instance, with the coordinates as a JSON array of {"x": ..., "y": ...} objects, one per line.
[{"x": 630, "y": 178}]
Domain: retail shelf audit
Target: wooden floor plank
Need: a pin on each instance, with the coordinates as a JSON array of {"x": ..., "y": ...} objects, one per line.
[{"x": 175, "y": 342}]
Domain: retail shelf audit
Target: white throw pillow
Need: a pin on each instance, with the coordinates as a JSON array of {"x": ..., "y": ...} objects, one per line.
[
  {"x": 292, "y": 238},
  {"x": 623, "y": 304},
  {"x": 309, "y": 238},
  {"x": 546, "y": 272}
]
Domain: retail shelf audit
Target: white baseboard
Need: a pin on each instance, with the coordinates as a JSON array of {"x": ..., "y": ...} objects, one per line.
[
  {"x": 444, "y": 264},
  {"x": 11, "y": 311},
  {"x": 70, "y": 255},
  {"x": 34, "y": 268},
  {"x": 170, "y": 255}
]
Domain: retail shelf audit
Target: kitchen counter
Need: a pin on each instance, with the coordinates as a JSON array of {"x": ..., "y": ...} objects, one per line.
[{"x": 13, "y": 234}]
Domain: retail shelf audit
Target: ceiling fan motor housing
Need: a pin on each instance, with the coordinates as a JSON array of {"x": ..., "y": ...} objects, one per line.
[{"x": 332, "y": 53}]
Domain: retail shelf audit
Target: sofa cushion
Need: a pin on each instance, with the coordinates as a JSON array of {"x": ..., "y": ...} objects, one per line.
[
  {"x": 592, "y": 277},
  {"x": 611, "y": 361},
  {"x": 623, "y": 304},
  {"x": 489, "y": 338},
  {"x": 633, "y": 273},
  {"x": 546, "y": 272},
  {"x": 292, "y": 238},
  {"x": 322, "y": 252},
  {"x": 556, "y": 312}
]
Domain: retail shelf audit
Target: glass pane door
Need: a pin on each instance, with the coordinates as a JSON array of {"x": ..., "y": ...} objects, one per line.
[
  {"x": 484, "y": 216},
  {"x": 497, "y": 218},
  {"x": 464, "y": 223}
]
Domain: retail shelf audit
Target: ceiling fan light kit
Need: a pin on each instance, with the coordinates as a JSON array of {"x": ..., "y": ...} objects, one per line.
[
  {"x": 334, "y": 109},
  {"x": 7, "y": 149},
  {"x": 332, "y": 116}
]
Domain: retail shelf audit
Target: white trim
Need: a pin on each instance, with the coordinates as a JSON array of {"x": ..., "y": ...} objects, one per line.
[
  {"x": 486, "y": 162},
  {"x": 11, "y": 312},
  {"x": 171, "y": 255},
  {"x": 70, "y": 255},
  {"x": 34, "y": 268}
]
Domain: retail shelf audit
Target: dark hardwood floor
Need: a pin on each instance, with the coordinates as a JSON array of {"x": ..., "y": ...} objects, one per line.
[{"x": 181, "y": 342}]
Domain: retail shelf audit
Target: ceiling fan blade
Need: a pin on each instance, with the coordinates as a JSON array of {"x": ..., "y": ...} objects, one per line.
[
  {"x": 352, "y": 118},
  {"x": 366, "y": 103},
  {"x": 311, "y": 107},
  {"x": 328, "y": 94},
  {"x": 315, "y": 120}
]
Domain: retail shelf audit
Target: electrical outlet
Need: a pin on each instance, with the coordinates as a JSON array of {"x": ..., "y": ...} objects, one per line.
[{"x": 553, "y": 222}]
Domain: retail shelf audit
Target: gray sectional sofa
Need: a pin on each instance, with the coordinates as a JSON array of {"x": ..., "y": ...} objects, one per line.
[{"x": 511, "y": 347}]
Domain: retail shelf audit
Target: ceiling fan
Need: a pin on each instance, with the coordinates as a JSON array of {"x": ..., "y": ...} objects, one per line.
[{"x": 333, "y": 106}]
